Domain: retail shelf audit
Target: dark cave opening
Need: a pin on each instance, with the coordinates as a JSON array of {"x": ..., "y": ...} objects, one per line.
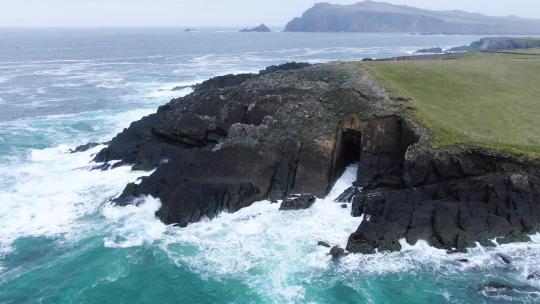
[{"x": 348, "y": 152}]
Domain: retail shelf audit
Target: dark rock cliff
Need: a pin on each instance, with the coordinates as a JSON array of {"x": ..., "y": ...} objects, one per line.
[
  {"x": 293, "y": 129},
  {"x": 452, "y": 200},
  {"x": 242, "y": 138}
]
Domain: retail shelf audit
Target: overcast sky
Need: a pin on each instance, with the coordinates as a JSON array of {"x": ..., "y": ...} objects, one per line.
[{"x": 16, "y": 13}]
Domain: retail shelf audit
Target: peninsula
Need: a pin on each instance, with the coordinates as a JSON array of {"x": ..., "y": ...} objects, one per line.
[
  {"x": 370, "y": 16},
  {"x": 448, "y": 149}
]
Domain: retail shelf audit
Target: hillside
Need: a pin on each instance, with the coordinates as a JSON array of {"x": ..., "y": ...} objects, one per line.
[
  {"x": 369, "y": 16},
  {"x": 484, "y": 98}
]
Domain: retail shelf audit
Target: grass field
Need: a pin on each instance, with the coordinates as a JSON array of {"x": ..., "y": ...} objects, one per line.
[{"x": 484, "y": 98}]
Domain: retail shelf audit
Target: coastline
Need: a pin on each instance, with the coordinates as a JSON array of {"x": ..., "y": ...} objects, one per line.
[{"x": 395, "y": 160}]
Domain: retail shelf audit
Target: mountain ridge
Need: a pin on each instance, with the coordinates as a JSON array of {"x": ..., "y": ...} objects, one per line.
[{"x": 371, "y": 16}]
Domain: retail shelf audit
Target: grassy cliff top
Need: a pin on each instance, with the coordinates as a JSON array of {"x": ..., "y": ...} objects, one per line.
[{"x": 488, "y": 99}]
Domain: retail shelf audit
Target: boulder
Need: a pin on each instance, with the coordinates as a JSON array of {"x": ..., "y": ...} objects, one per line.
[
  {"x": 505, "y": 258},
  {"x": 337, "y": 252},
  {"x": 297, "y": 202},
  {"x": 323, "y": 244}
]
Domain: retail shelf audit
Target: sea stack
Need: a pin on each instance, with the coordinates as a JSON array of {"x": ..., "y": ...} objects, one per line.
[{"x": 261, "y": 29}]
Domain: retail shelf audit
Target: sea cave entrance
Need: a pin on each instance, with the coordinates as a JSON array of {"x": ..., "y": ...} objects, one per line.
[{"x": 348, "y": 150}]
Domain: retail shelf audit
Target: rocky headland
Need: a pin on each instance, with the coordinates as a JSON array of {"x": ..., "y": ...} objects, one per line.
[
  {"x": 370, "y": 16},
  {"x": 293, "y": 129}
]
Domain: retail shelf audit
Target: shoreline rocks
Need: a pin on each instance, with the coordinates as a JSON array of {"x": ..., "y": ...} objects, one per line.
[
  {"x": 294, "y": 128},
  {"x": 494, "y": 44},
  {"x": 434, "y": 50}
]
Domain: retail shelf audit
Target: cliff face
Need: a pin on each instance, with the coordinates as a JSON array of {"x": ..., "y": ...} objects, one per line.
[
  {"x": 450, "y": 199},
  {"x": 371, "y": 16},
  {"x": 242, "y": 138},
  {"x": 293, "y": 129}
]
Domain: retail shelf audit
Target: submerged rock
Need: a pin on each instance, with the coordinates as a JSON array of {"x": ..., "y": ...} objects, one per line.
[
  {"x": 505, "y": 258},
  {"x": 323, "y": 244},
  {"x": 348, "y": 195},
  {"x": 455, "y": 251},
  {"x": 498, "y": 288},
  {"x": 337, "y": 252},
  {"x": 297, "y": 202},
  {"x": 84, "y": 148}
]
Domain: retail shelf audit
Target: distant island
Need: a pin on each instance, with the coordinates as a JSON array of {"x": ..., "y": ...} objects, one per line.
[
  {"x": 369, "y": 16},
  {"x": 261, "y": 28}
]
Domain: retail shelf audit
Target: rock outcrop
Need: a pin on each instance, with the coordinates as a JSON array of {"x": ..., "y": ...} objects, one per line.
[
  {"x": 241, "y": 138},
  {"x": 433, "y": 50},
  {"x": 294, "y": 129},
  {"x": 452, "y": 200},
  {"x": 297, "y": 202},
  {"x": 369, "y": 16},
  {"x": 261, "y": 29}
]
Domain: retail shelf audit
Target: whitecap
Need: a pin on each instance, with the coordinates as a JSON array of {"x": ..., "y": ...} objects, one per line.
[{"x": 52, "y": 192}]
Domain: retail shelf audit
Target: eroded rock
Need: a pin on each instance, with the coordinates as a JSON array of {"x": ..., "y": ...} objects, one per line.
[{"x": 242, "y": 138}]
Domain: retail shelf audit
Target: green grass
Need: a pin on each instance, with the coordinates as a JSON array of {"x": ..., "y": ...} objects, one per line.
[{"x": 483, "y": 98}]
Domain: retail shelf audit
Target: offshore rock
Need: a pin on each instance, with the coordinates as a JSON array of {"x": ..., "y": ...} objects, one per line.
[
  {"x": 84, "y": 148},
  {"x": 261, "y": 29},
  {"x": 323, "y": 244},
  {"x": 337, "y": 252}
]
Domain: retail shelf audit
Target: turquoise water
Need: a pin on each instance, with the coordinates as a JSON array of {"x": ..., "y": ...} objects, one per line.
[{"x": 61, "y": 242}]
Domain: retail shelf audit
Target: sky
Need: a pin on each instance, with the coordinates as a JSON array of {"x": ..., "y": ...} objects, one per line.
[{"x": 77, "y": 13}]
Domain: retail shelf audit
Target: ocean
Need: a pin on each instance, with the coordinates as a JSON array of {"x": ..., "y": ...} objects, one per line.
[{"x": 62, "y": 242}]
